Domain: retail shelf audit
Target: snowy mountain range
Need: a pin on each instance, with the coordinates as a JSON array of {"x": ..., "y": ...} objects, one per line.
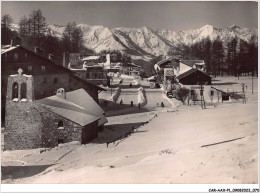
[{"x": 145, "y": 41}]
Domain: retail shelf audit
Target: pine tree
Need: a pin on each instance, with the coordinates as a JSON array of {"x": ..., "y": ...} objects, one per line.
[
  {"x": 72, "y": 38},
  {"x": 217, "y": 55},
  {"x": 23, "y": 28},
  {"x": 6, "y": 33},
  {"x": 37, "y": 26}
]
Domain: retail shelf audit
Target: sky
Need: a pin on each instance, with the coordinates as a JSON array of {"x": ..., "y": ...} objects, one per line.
[{"x": 155, "y": 14}]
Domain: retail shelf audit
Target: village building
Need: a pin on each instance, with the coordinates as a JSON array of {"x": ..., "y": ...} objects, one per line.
[
  {"x": 48, "y": 76},
  {"x": 92, "y": 70},
  {"x": 186, "y": 65},
  {"x": 130, "y": 69},
  {"x": 46, "y": 122}
]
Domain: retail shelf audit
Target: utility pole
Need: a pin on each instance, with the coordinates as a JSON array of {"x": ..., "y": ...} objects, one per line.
[{"x": 252, "y": 83}]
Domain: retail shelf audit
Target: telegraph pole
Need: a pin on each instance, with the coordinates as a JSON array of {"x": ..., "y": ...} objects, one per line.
[{"x": 252, "y": 83}]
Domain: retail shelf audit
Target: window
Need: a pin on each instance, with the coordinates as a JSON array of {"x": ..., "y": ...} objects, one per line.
[
  {"x": 15, "y": 56},
  {"x": 15, "y": 91},
  {"x": 43, "y": 68},
  {"x": 192, "y": 92},
  {"x": 60, "y": 124},
  {"x": 212, "y": 92},
  {"x": 44, "y": 80},
  {"x": 87, "y": 75},
  {"x": 55, "y": 80},
  {"x": 23, "y": 91},
  {"x": 30, "y": 68}
]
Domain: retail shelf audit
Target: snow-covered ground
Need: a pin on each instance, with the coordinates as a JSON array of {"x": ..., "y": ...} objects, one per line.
[{"x": 186, "y": 145}]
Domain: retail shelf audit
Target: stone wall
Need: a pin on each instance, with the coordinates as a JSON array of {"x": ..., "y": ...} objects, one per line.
[
  {"x": 22, "y": 126},
  {"x": 45, "y": 85},
  {"x": 51, "y": 132}
]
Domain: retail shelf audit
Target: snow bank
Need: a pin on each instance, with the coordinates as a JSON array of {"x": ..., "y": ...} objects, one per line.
[
  {"x": 136, "y": 82},
  {"x": 116, "y": 95},
  {"x": 174, "y": 102},
  {"x": 141, "y": 97}
]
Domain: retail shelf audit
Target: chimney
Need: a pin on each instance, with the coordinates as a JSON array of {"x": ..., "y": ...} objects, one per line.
[
  {"x": 38, "y": 51},
  {"x": 65, "y": 59},
  {"x": 16, "y": 41},
  {"x": 61, "y": 93},
  {"x": 108, "y": 58},
  {"x": 50, "y": 57}
]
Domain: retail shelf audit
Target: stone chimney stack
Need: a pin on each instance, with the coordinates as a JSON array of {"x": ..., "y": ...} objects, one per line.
[
  {"x": 50, "y": 57},
  {"x": 38, "y": 51},
  {"x": 16, "y": 41},
  {"x": 108, "y": 58},
  {"x": 65, "y": 59},
  {"x": 61, "y": 93}
]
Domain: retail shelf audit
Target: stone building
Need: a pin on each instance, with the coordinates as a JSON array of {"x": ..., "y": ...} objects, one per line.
[
  {"x": 48, "y": 76},
  {"x": 46, "y": 122}
]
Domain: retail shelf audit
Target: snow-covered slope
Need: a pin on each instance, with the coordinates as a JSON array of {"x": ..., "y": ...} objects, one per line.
[{"x": 147, "y": 42}]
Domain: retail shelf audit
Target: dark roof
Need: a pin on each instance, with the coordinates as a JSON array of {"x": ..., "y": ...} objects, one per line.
[
  {"x": 130, "y": 65},
  {"x": 187, "y": 73},
  {"x": 56, "y": 65},
  {"x": 191, "y": 63},
  {"x": 220, "y": 90}
]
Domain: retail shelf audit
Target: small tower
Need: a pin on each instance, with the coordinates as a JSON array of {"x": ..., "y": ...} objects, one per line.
[
  {"x": 20, "y": 87},
  {"x": 22, "y": 118}
]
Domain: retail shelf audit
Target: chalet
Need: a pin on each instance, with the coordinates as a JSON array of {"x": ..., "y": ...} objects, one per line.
[
  {"x": 130, "y": 69},
  {"x": 46, "y": 122},
  {"x": 171, "y": 62},
  {"x": 48, "y": 76},
  {"x": 179, "y": 66},
  {"x": 186, "y": 65}
]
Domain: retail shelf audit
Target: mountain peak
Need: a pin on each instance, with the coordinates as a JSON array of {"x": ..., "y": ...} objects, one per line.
[
  {"x": 234, "y": 26},
  {"x": 208, "y": 27}
]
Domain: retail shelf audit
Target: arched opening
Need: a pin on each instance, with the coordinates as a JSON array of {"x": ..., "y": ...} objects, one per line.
[
  {"x": 23, "y": 91},
  {"x": 15, "y": 90},
  {"x": 60, "y": 124}
]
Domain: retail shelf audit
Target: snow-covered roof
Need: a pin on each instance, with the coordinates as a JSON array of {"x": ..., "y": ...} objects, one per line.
[
  {"x": 191, "y": 63},
  {"x": 167, "y": 60},
  {"x": 3, "y": 50},
  {"x": 91, "y": 58},
  {"x": 83, "y": 99},
  {"x": 78, "y": 107},
  {"x": 68, "y": 110}
]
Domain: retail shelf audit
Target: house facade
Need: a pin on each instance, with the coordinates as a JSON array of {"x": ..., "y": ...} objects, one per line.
[
  {"x": 48, "y": 76},
  {"x": 130, "y": 69}
]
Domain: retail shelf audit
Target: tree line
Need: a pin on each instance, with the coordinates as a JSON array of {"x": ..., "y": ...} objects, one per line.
[
  {"x": 235, "y": 57},
  {"x": 34, "y": 32}
]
